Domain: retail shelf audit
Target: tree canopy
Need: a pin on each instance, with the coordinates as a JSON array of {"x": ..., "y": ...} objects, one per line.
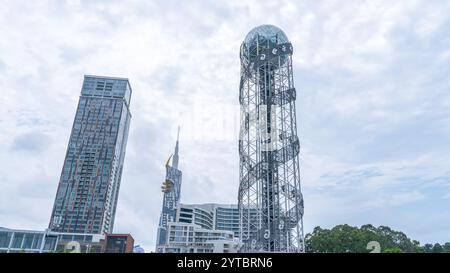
[{"x": 349, "y": 239}]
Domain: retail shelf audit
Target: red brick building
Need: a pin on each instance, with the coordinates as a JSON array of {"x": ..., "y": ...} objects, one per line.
[{"x": 118, "y": 243}]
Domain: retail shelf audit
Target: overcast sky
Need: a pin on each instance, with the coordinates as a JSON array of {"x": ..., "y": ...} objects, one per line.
[{"x": 373, "y": 104}]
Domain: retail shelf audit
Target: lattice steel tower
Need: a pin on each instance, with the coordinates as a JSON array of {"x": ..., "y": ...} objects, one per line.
[{"x": 270, "y": 199}]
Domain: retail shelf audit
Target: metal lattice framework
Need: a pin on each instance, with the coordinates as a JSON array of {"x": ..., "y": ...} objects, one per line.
[{"x": 270, "y": 199}]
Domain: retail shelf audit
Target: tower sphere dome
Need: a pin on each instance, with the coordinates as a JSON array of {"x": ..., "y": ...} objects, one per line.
[
  {"x": 260, "y": 39},
  {"x": 267, "y": 33}
]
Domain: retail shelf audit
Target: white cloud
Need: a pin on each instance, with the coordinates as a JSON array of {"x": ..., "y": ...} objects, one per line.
[
  {"x": 372, "y": 101},
  {"x": 432, "y": 17}
]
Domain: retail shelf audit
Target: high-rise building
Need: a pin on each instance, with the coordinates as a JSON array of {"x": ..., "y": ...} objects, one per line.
[
  {"x": 171, "y": 189},
  {"x": 88, "y": 189},
  {"x": 201, "y": 215},
  {"x": 211, "y": 216},
  {"x": 226, "y": 217},
  {"x": 269, "y": 146}
]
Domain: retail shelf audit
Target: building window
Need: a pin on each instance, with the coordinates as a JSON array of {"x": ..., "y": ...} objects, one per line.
[
  {"x": 17, "y": 240},
  {"x": 5, "y": 238}
]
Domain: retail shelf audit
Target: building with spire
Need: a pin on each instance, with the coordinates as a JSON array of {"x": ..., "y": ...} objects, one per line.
[
  {"x": 171, "y": 189},
  {"x": 202, "y": 228}
]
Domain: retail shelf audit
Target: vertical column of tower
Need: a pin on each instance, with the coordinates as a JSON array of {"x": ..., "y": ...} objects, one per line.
[{"x": 270, "y": 200}]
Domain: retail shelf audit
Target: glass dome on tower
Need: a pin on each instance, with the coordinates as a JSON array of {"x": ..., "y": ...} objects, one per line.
[
  {"x": 261, "y": 38},
  {"x": 265, "y": 34}
]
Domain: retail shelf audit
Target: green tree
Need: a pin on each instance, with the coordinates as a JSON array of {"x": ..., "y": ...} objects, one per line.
[
  {"x": 446, "y": 247},
  {"x": 428, "y": 248},
  {"x": 393, "y": 250},
  {"x": 345, "y": 238},
  {"x": 437, "y": 248}
]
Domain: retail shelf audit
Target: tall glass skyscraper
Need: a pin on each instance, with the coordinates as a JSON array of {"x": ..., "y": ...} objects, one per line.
[{"x": 88, "y": 189}]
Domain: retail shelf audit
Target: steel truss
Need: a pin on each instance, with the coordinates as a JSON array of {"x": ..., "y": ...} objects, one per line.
[{"x": 270, "y": 199}]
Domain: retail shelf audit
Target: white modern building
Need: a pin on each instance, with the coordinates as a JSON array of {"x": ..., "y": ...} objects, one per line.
[
  {"x": 210, "y": 216},
  {"x": 203, "y": 228},
  {"x": 192, "y": 238}
]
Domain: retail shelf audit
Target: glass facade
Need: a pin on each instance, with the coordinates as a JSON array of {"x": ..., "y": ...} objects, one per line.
[
  {"x": 204, "y": 218},
  {"x": 31, "y": 241},
  {"x": 211, "y": 216},
  {"x": 88, "y": 189},
  {"x": 227, "y": 218}
]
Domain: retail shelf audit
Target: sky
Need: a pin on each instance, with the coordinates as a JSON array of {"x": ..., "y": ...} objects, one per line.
[{"x": 373, "y": 104}]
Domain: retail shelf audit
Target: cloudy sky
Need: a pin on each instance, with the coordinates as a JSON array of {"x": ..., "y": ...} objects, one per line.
[{"x": 373, "y": 104}]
